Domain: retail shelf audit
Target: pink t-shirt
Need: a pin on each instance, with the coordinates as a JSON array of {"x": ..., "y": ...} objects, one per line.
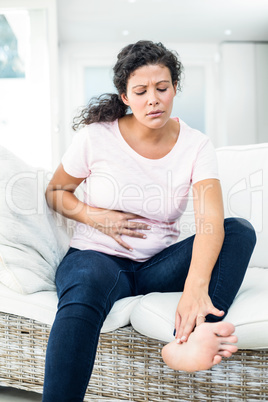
[{"x": 118, "y": 178}]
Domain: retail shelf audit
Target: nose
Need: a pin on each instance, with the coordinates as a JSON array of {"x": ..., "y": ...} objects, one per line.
[
  {"x": 154, "y": 102},
  {"x": 152, "y": 98}
]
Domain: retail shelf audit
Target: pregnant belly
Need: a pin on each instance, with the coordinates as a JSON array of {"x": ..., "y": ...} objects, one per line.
[{"x": 159, "y": 237}]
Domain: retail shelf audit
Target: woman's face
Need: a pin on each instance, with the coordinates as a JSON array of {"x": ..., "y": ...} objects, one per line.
[{"x": 150, "y": 95}]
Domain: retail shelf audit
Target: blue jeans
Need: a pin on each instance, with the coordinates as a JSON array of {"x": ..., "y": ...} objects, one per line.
[{"x": 89, "y": 283}]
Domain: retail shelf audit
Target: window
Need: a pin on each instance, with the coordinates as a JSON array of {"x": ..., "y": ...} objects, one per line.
[
  {"x": 12, "y": 53},
  {"x": 98, "y": 80},
  {"x": 26, "y": 98}
]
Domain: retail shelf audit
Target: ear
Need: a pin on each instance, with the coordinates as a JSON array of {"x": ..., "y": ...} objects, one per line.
[
  {"x": 124, "y": 99},
  {"x": 175, "y": 86}
]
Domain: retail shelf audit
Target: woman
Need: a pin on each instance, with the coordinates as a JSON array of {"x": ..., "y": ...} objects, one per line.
[{"x": 137, "y": 169}]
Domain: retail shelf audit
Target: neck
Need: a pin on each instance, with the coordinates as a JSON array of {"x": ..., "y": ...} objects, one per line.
[
  {"x": 148, "y": 142},
  {"x": 144, "y": 133}
]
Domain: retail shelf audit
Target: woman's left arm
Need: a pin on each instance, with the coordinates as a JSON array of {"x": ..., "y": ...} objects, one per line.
[{"x": 195, "y": 302}]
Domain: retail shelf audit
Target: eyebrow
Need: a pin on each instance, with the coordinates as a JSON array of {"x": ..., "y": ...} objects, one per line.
[{"x": 143, "y": 85}]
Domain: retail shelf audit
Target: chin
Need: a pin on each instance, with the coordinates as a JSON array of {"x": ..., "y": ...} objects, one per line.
[{"x": 157, "y": 123}]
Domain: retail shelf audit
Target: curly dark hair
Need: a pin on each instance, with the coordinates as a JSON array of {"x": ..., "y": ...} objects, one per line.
[{"x": 109, "y": 107}]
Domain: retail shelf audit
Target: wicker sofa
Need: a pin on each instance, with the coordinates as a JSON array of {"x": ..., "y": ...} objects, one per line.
[{"x": 128, "y": 364}]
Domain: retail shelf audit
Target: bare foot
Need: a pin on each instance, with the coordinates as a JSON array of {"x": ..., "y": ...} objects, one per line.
[{"x": 205, "y": 347}]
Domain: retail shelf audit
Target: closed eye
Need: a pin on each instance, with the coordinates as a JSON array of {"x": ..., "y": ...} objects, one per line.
[
  {"x": 140, "y": 93},
  {"x": 159, "y": 89}
]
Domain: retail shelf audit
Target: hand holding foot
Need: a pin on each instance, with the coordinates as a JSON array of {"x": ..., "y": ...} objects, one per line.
[
  {"x": 192, "y": 310},
  {"x": 206, "y": 346}
]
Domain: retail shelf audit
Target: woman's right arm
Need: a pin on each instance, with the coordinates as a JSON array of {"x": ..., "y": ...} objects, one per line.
[{"x": 60, "y": 197}]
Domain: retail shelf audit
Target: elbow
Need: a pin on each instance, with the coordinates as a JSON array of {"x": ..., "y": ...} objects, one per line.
[
  {"x": 49, "y": 197},
  {"x": 46, "y": 194}
]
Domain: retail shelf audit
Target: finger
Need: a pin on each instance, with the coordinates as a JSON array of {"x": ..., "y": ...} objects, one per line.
[
  {"x": 177, "y": 324},
  {"x": 132, "y": 233},
  {"x": 129, "y": 215},
  {"x": 186, "y": 328},
  {"x": 137, "y": 225},
  {"x": 200, "y": 319},
  {"x": 122, "y": 243},
  {"x": 215, "y": 311},
  {"x": 180, "y": 332}
]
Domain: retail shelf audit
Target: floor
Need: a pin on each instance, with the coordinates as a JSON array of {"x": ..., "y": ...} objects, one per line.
[{"x": 15, "y": 395}]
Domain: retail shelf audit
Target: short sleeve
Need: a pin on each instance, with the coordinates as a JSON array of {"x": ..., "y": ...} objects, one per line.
[
  {"x": 205, "y": 165},
  {"x": 76, "y": 160}
]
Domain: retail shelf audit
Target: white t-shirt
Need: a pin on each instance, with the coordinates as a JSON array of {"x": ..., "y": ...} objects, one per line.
[{"x": 119, "y": 178}]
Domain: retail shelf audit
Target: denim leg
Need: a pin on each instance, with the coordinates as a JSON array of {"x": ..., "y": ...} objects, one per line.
[
  {"x": 88, "y": 284},
  {"x": 167, "y": 271},
  {"x": 232, "y": 263}
]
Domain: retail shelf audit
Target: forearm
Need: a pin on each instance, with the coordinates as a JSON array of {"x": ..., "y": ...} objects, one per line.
[
  {"x": 68, "y": 205},
  {"x": 195, "y": 303},
  {"x": 206, "y": 248},
  {"x": 110, "y": 222},
  {"x": 60, "y": 197}
]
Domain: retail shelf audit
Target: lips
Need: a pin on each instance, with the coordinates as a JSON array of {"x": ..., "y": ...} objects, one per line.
[{"x": 155, "y": 113}]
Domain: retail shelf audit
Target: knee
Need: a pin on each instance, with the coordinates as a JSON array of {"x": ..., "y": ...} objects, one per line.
[
  {"x": 79, "y": 283},
  {"x": 242, "y": 228}
]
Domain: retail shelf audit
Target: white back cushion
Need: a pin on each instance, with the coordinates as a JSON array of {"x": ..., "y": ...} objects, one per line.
[{"x": 244, "y": 178}]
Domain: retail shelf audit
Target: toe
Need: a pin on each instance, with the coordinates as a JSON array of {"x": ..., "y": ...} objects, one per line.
[
  {"x": 225, "y": 353},
  {"x": 228, "y": 348},
  {"x": 228, "y": 339},
  {"x": 216, "y": 360},
  {"x": 223, "y": 328}
]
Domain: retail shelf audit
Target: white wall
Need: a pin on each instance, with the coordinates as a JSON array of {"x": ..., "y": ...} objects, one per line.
[
  {"x": 262, "y": 91},
  {"x": 244, "y": 93}
]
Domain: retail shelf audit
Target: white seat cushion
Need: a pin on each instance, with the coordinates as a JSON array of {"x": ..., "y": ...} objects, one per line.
[
  {"x": 154, "y": 315},
  {"x": 42, "y": 306}
]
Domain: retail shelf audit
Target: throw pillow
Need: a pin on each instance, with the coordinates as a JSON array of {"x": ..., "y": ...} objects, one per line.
[{"x": 33, "y": 238}]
